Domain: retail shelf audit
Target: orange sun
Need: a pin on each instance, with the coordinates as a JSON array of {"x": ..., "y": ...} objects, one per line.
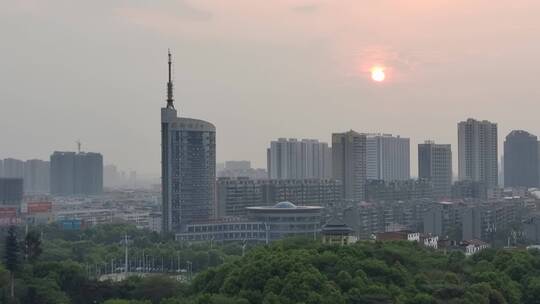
[{"x": 377, "y": 74}]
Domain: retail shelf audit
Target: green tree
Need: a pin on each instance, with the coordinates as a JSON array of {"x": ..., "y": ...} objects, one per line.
[
  {"x": 32, "y": 246},
  {"x": 12, "y": 257}
]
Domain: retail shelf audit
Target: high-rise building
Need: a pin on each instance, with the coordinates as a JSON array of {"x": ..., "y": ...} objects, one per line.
[
  {"x": 36, "y": 176},
  {"x": 349, "y": 163},
  {"x": 293, "y": 159},
  {"x": 520, "y": 159},
  {"x": 435, "y": 166},
  {"x": 111, "y": 177},
  {"x": 388, "y": 157},
  {"x": 76, "y": 173},
  {"x": 188, "y": 166},
  {"x": 11, "y": 191},
  {"x": 1, "y": 168},
  {"x": 13, "y": 168},
  {"x": 477, "y": 152}
]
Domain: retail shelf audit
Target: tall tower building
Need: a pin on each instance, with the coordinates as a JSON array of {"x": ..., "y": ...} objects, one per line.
[
  {"x": 435, "y": 165},
  {"x": 520, "y": 159},
  {"x": 294, "y": 159},
  {"x": 388, "y": 157},
  {"x": 477, "y": 152},
  {"x": 188, "y": 166},
  {"x": 349, "y": 163}
]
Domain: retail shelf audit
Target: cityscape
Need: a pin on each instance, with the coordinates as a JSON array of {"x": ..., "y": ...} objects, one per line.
[{"x": 358, "y": 216}]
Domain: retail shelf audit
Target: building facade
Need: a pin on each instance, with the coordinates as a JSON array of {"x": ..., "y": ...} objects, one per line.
[
  {"x": 286, "y": 219},
  {"x": 477, "y": 152},
  {"x": 435, "y": 166},
  {"x": 388, "y": 157},
  {"x": 11, "y": 191},
  {"x": 234, "y": 195},
  {"x": 399, "y": 190},
  {"x": 521, "y": 159},
  {"x": 349, "y": 163},
  {"x": 13, "y": 168},
  {"x": 263, "y": 224},
  {"x": 74, "y": 173},
  {"x": 294, "y": 159},
  {"x": 37, "y": 176},
  {"x": 188, "y": 166}
]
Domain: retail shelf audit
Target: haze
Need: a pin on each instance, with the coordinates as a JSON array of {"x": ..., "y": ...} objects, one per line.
[{"x": 259, "y": 70}]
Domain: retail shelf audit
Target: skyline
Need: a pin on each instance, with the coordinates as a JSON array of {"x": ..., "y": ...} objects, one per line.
[{"x": 106, "y": 73}]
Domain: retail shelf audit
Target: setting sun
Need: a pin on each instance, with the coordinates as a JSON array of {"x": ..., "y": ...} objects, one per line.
[{"x": 377, "y": 74}]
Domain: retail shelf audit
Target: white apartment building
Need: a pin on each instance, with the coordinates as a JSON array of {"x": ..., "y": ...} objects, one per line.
[
  {"x": 388, "y": 157},
  {"x": 477, "y": 152},
  {"x": 294, "y": 159}
]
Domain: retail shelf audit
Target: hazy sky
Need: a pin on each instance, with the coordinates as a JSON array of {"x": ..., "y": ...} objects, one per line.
[{"x": 259, "y": 70}]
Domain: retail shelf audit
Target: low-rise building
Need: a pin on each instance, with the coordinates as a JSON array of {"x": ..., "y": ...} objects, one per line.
[
  {"x": 471, "y": 247},
  {"x": 335, "y": 232},
  {"x": 263, "y": 223}
]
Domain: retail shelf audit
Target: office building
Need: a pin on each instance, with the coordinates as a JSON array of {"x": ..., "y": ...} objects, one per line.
[
  {"x": 235, "y": 194},
  {"x": 435, "y": 166},
  {"x": 263, "y": 224},
  {"x": 293, "y": 159},
  {"x": 286, "y": 219},
  {"x": 477, "y": 152},
  {"x": 520, "y": 159},
  {"x": 11, "y": 191},
  {"x": 76, "y": 173},
  {"x": 36, "y": 176},
  {"x": 388, "y": 157},
  {"x": 188, "y": 166},
  {"x": 349, "y": 163}
]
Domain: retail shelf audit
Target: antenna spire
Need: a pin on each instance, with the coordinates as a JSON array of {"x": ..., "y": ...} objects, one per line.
[{"x": 170, "y": 99}]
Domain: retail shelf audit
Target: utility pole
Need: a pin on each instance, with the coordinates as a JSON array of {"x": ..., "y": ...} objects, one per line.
[
  {"x": 267, "y": 232},
  {"x": 126, "y": 254}
]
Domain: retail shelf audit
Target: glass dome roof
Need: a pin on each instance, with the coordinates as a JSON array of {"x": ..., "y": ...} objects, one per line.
[{"x": 287, "y": 205}]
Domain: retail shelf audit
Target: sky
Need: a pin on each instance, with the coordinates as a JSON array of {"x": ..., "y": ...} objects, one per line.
[{"x": 96, "y": 71}]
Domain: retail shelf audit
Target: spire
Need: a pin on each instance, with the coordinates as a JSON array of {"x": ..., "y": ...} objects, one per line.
[{"x": 170, "y": 99}]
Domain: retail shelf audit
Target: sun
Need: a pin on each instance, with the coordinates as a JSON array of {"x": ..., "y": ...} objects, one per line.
[{"x": 377, "y": 74}]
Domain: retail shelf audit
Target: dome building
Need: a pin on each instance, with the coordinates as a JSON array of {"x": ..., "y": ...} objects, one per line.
[{"x": 286, "y": 219}]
